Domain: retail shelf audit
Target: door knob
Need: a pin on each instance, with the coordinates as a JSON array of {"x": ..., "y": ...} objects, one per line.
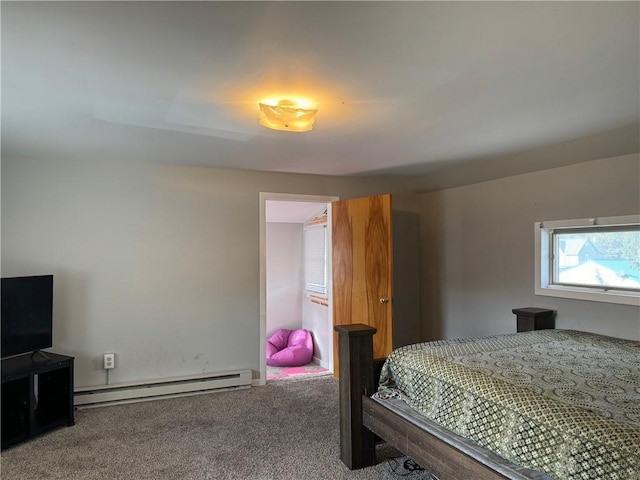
[{"x": 384, "y": 300}]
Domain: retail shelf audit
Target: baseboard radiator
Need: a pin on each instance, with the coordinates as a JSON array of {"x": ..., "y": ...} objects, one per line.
[{"x": 166, "y": 387}]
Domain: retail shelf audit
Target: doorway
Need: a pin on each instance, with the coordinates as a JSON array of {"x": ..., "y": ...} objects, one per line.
[{"x": 284, "y": 303}]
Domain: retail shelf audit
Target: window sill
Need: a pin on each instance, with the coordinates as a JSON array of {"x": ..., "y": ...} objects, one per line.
[
  {"x": 318, "y": 298},
  {"x": 589, "y": 294}
]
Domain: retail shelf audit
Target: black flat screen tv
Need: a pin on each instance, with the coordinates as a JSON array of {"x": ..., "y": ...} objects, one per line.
[{"x": 26, "y": 322}]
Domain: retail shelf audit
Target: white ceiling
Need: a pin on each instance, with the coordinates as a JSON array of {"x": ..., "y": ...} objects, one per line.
[{"x": 401, "y": 87}]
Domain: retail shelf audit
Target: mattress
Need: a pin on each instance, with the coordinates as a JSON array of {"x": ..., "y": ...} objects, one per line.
[{"x": 561, "y": 402}]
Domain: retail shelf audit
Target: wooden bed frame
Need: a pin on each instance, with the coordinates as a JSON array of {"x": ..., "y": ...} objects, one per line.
[{"x": 362, "y": 419}]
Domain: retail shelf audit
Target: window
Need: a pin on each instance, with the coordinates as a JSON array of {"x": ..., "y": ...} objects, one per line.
[
  {"x": 315, "y": 256},
  {"x": 589, "y": 259}
]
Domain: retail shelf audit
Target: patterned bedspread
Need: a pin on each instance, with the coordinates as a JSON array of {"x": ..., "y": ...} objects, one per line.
[{"x": 563, "y": 402}]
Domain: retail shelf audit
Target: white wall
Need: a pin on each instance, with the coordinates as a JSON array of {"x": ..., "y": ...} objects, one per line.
[
  {"x": 158, "y": 264},
  {"x": 477, "y": 261},
  {"x": 284, "y": 270},
  {"x": 315, "y": 318}
]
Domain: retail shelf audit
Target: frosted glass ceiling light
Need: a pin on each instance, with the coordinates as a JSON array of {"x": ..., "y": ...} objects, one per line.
[{"x": 288, "y": 116}]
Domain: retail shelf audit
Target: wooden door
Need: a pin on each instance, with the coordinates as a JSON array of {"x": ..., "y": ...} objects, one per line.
[{"x": 362, "y": 268}]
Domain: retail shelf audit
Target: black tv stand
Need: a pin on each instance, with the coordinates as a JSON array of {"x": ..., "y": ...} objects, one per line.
[{"x": 37, "y": 395}]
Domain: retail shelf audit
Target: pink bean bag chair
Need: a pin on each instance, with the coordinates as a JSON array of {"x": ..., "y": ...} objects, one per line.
[{"x": 289, "y": 348}]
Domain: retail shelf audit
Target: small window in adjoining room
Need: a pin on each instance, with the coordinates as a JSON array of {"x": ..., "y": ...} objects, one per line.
[
  {"x": 315, "y": 256},
  {"x": 594, "y": 259}
]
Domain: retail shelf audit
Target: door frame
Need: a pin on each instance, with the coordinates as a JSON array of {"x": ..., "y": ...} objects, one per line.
[{"x": 283, "y": 197}]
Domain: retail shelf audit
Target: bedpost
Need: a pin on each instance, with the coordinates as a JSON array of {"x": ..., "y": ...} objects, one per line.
[
  {"x": 357, "y": 444},
  {"x": 530, "y": 318}
]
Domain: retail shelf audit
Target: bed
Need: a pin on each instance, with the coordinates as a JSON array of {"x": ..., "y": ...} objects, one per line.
[{"x": 544, "y": 404}]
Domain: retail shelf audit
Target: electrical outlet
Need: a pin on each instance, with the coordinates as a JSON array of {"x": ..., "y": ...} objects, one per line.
[{"x": 109, "y": 361}]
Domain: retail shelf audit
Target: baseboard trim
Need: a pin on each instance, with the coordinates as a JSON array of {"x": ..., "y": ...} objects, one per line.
[{"x": 162, "y": 388}]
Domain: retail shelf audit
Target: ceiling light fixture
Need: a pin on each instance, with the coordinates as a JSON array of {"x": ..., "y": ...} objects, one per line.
[{"x": 287, "y": 115}]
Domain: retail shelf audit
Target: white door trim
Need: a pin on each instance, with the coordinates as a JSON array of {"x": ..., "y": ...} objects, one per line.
[{"x": 290, "y": 197}]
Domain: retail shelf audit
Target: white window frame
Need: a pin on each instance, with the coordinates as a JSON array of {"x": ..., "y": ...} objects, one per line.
[
  {"x": 313, "y": 287},
  {"x": 543, "y": 232}
]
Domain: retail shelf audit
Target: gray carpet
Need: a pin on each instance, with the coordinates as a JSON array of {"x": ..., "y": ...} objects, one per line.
[{"x": 285, "y": 430}]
